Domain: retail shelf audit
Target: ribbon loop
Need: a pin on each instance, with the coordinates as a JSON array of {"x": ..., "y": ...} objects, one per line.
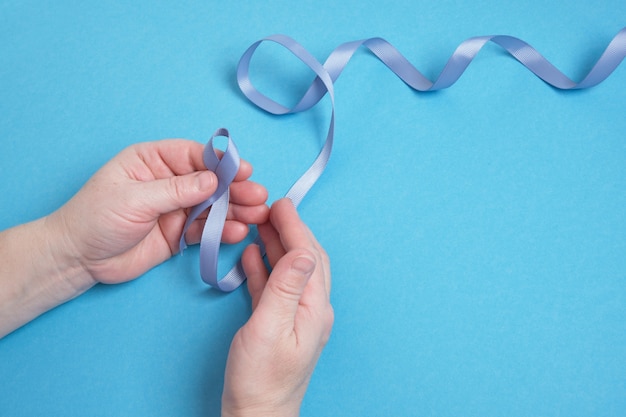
[
  {"x": 225, "y": 169},
  {"x": 338, "y": 59},
  {"x": 326, "y": 75}
]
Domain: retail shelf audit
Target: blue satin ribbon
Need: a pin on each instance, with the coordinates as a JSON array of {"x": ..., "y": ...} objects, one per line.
[
  {"x": 225, "y": 169},
  {"x": 329, "y": 72}
]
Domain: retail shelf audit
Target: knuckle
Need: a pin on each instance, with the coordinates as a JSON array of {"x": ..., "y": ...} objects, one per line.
[
  {"x": 285, "y": 289},
  {"x": 324, "y": 255},
  {"x": 303, "y": 252},
  {"x": 328, "y": 319},
  {"x": 176, "y": 189}
]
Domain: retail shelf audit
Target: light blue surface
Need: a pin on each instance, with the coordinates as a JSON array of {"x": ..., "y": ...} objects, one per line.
[{"x": 478, "y": 235}]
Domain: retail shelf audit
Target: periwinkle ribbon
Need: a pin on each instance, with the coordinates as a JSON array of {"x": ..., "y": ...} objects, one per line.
[
  {"x": 328, "y": 73},
  {"x": 225, "y": 169}
]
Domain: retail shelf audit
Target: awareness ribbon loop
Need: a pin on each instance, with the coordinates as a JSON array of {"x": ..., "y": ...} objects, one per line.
[
  {"x": 329, "y": 72},
  {"x": 225, "y": 169}
]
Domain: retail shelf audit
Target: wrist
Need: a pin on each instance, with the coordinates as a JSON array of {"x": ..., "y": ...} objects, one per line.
[
  {"x": 260, "y": 412},
  {"x": 68, "y": 275},
  {"x": 266, "y": 409},
  {"x": 37, "y": 273}
]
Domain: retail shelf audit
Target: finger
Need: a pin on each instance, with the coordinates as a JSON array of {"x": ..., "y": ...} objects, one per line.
[
  {"x": 271, "y": 240},
  {"x": 245, "y": 168},
  {"x": 256, "y": 272},
  {"x": 322, "y": 282},
  {"x": 244, "y": 172},
  {"x": 327, "y": 273},
  {"x": 248, "y": 214},
  {"x": 280, "y": 299},
  {"x": 168, "y": 157},
  {"x": 318, "y": 292},
  {"x": 324, "y": 262},
  {"x": 166, "y": 195},
  {"x": 247, "y": 193},
  {"x": 234, "y": 232},
  {"x": 293, "y": 232}
]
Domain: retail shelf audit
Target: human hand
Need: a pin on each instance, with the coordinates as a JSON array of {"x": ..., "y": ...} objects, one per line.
[
  {"x": 273, "y": 355},
  {"x": 129, "y": 216}
]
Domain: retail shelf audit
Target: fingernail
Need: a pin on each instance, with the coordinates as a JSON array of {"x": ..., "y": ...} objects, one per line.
[
  {"x": 303, "y": 265},
  {"x": 205, "y": 180}
]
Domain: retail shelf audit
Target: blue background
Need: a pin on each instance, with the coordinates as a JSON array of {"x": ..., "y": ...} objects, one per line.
[{"x": 477, "y": 235}]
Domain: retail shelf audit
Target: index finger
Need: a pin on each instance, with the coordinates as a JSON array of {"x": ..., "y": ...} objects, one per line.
[
  {"x": 293, "y": 232},
  {"x": 169, "y": 157}
]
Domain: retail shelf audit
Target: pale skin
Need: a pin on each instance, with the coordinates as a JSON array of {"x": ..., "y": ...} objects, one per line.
[
  {"x": 272, "y": 357},
  {"x": 128, "y": 218}
]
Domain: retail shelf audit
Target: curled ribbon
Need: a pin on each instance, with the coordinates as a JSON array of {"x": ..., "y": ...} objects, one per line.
[{"x": 328, "y": 73}]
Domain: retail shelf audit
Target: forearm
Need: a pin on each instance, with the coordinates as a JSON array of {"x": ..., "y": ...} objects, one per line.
[{"x": 37, "y": 273}]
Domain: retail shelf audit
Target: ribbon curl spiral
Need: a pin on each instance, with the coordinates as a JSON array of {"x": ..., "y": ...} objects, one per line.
[{"x": 329, "y": 72}]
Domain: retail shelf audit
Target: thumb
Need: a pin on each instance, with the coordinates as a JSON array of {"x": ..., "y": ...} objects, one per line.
[
  {"x": 281, "y": 297},
  {"x": 173, "y": 193}
]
